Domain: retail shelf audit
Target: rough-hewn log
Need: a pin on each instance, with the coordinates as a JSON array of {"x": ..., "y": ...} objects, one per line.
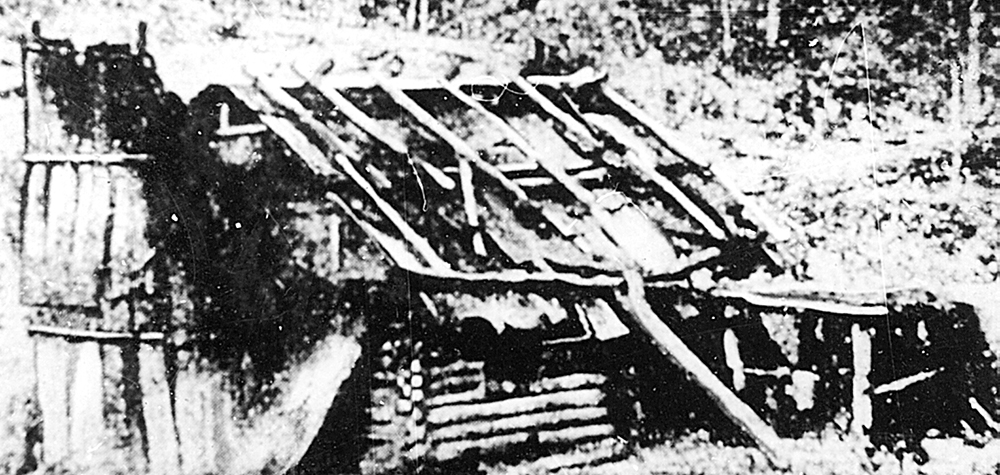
[
  {"x": 903, "y": 383},
  {"x": 451, "y": 450},
  {"x": 520, "y": 422},
  {"x": 576, "y": 435},
  {"x": 825, "y": 306},
  {"x": 567, "y": 382},
  {"x": 636, "y": 306},
  {"x": 564, "y": 399}
]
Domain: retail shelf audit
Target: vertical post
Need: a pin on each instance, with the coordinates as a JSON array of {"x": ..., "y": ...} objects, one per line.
[{"x": 861, "y": 405}]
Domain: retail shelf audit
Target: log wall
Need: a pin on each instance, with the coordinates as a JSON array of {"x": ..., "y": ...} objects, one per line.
[{"x": 453, "y": 411}]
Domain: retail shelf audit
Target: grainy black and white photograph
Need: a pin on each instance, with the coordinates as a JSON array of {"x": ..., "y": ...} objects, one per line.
[{"x": 498, "y": 237}]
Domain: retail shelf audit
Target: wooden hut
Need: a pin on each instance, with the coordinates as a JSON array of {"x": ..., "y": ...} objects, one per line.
[{"x": 354, "y": 272}]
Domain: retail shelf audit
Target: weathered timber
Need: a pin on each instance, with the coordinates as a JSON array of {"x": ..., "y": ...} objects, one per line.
[
  {"x": 675, "y": 145},
  {"x": 518, "y": 422},
  {"x": 195, "y": 420},
  {"x": 820, "y": 305},
  {"x": 164, "y": 450},
  {"x": 314, "y": 158},
  {"x": 357, "y": 116},
  {"x": 93, "y": 209},
  {"x": 636, "y": 306},
  {"x": 861, "y": 403},
  {"x": 122, "y": 400},
  {"x": 33, "y": 234},
  {"x": 465, "y": 152},
  {"x": 458, "y": 367},
  {"x": 53, "y": 358},
  {"x": 86, "y": 158},
  {"x": 577, "y": 131},
  {"x": 285, "y": 100},
  {"x": 905, "y": 382},
  {"x": 129, "y": 251},
  {"x": 456, "y": 381},
  {"x": 643, "y": 162},
  {"x": 455, "y": 449},
  {"x": 567, "y": 382},
  {"x": 576, "y": 435},
  {"x": 564, "y": 399},
  {"x": 599, "y": 452},
  {"x": 450, "y": 398},
  {"x": 59, "y": 234},
  {"x": 370, "y": 126},
  {"x": 604, "y": 220},
  {"x": 94, "y": 334},
  {"x": 88, "y": 442}
]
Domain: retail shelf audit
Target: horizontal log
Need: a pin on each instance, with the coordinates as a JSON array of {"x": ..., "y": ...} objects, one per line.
[
  {"x": 451, "y": 450},
  {"x": 530, "y": 422},
  {"x": 461, "y": 412},
  {"x": 104, "y": 158},
  {"x": 576, "y": 434},
  {"x": 240, "y": 130},
  {"x": 570, "y": 381},
  {"x": 471, "y": 395},
  {"x": 825, "y": 306},
  {"x": 457, "y": 381},
  {"x": 458, "y": 367},
  {"x": 93, "y": 335},
  {"x": 601, "y": 452}
]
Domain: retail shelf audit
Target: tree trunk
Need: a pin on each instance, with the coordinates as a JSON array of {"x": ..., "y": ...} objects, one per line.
[
  {"x": 773, "y": 23},
  {"x": 727, "y": 26},
  {"x": 972, "y": 95}
]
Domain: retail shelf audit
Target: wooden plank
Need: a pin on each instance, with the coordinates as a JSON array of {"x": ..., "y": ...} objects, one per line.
[
  {"x": 564, "y": 399},
  {"x": 458, "y": 367},
  {"x": 93, "y": 334},
  {"x": 643, "y": 161},
  {"x": 88, "y": 237},
  {"x": 553, "y": 169},
  {"x": 519, "y": 422},
  {"x": 59, "y": 234},
  {"x": 676, "y": 145},
  {"x": 120, "y": 421},
  {"x": 88, "y": 442},
  {"x": 33, "y": 238},
  {"x": 52, "y": 356},
  {"x": 465, "y": 153},
  {"x": 474, "y": 394},
  {"x": 604, "y": 451},
  {"x": 634, "y": 302},
  {"x": 861, "y": 403},
  {"x": 193, "y": 416},
  {"x": 85, "y": 158},
  {"x": 285, "y": 100},
  {"x": 457, "y": 381},
  {"x": 164, "y": 451},
  {"x": 820, "y": 305},
  {"x": 576, "y": 130}
]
